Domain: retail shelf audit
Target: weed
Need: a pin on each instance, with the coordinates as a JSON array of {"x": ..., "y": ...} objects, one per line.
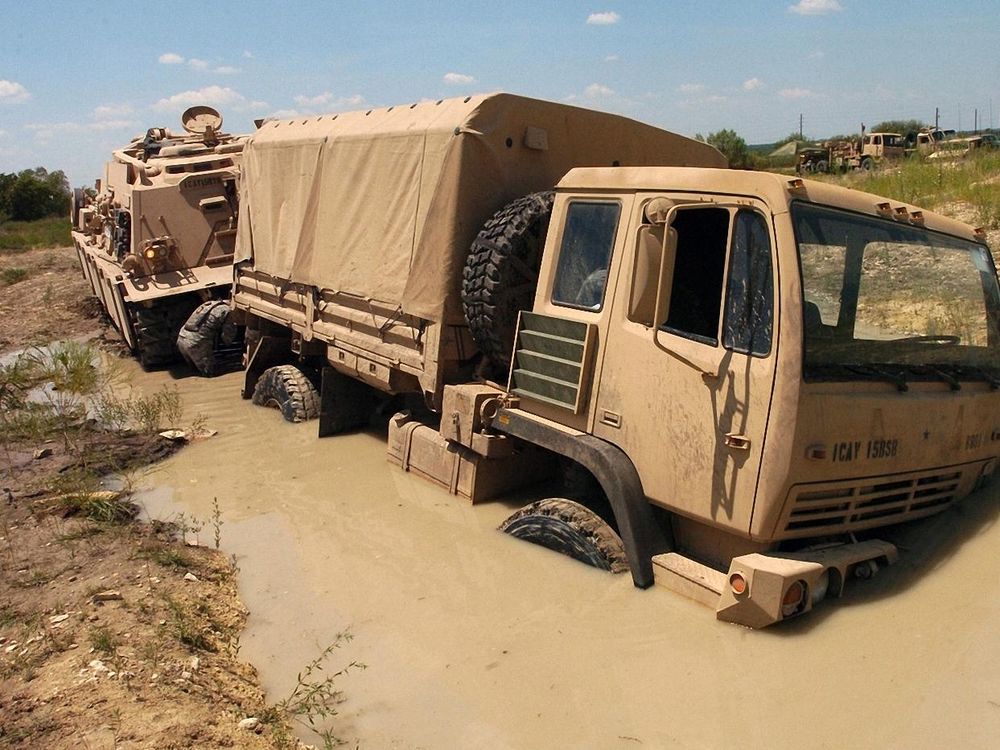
[
  {"x": 216, "y": 521},
  {"x": 104, "y": 641},
  {"x": 13, "y": 275},
  {"x": 168, "y": 557},
  {"x": 107, "y": 508},
  {"x": 315, "y": 696},
  {"x": 185, "y": 626}
]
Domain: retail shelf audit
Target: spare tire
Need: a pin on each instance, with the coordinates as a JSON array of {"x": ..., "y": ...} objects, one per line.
[
  {"x": 501, "y": 273},
  {"x": 209, "y": 341}
]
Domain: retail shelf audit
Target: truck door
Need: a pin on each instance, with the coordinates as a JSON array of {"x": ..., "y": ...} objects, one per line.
[{"x": 687, "y": 364}]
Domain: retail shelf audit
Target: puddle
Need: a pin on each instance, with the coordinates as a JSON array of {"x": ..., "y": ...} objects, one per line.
[{"x": 473, "y": 639}]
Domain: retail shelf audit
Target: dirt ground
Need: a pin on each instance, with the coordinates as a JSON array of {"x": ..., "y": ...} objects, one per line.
[{"x": 114, "y": 633}]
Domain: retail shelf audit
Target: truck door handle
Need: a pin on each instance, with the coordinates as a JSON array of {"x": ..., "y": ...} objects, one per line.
[{"x": 737, "y": 441}]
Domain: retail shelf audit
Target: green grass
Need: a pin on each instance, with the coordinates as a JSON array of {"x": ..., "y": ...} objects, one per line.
[
  {"x": 933, "y": 184},
  {"x": 18, "y": 236},
  {"x": 13, "y": 275}
]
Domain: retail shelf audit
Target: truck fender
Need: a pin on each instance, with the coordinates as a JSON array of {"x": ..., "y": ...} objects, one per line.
[{"x": 640, "y": 533}]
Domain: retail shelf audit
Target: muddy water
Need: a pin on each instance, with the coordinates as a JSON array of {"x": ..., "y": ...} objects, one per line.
[{"x": 475, "y": 640}]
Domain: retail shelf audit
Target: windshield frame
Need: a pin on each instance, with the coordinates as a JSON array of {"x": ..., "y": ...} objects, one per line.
[{"x": 979, "y": 362}]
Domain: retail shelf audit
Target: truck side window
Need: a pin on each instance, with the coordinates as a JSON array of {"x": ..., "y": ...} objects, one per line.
[
  {"x": 585, "y": 254},
  {"x": 696, "y": 291},
  {"x": 750, "y": 296}
]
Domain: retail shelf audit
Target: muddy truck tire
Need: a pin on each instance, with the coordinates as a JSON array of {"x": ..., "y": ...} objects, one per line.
[
  {"x": 287, "y": 389},
  {"x": 571, "y": 529},
  {"x": 501, "y": 274},
  {"x": 209, "y": 341},
  {"x": 156, "y": 330}
]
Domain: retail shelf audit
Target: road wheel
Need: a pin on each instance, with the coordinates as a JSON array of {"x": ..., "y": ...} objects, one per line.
[
  {"x": 501, "y": 273},
  {"x": 568, "y": 527},
  {"x": 209, "y": 342},
  {"x": 156, "y": 328},
  {"x": 867, "y": 164},
  {"x": 822, "y": 166},
  {"x": 286, "y": 388}
]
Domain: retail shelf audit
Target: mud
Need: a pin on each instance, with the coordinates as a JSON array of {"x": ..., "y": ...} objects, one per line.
[{"x": 473, "y": 639}]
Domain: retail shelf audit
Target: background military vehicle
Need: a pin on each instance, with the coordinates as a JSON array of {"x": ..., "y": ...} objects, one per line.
[
  {"x": 723, "y": 381},
  {"x": 157, "y": 240}
]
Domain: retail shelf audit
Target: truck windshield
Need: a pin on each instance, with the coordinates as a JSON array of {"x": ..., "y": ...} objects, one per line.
[{"x": 888, "y": 301}]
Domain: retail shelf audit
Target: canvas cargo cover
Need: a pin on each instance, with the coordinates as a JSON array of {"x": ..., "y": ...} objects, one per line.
[{"x": 386, "y": 203}]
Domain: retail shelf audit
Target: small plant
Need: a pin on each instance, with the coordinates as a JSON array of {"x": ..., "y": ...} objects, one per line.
[
  {"x": 216, "y": 521},
  {"x": 168, "y": 557},
  {"x": 108, "y": 508},
  {"x": 185, "y": 627},
  {"x": 104, "y": 641},
  {"x": 315, "y": 696},
  {"x": 13, "y": 275}
]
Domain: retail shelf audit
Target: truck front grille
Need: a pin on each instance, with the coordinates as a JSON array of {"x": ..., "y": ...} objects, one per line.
[{"x": 855, "y": 504}]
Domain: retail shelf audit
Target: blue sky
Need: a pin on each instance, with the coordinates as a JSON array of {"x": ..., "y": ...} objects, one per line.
[{"x": 77, "y": 80}]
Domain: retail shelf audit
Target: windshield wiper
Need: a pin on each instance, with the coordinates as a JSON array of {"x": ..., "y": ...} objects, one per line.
[{"x": 897, "y": 377}]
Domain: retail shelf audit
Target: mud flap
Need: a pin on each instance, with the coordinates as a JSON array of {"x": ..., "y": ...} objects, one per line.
[
  {"x": 266, "y": 352},
  {"x": 344, "y": 404}
]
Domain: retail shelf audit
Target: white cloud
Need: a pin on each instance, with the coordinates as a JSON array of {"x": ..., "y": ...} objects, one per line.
[
  {"x": 11, "y": 91},
  {"x": 287, "y": 114},
  {"x": 313, "y": 101},
  {"x": 326, "y": 100},
  {"x": 817, "y": 55},
  {"x": 608, "y": 18},
  {"x": 3, "y": 133},
  {"x": 611, "y": 58},
  {"x": 752, "y": 84},
  {"x": 458, "y": 79},
  {"x": 45, "y": 131},
  {"x": 691, "y": 88},
  {"x": 815, "y": 7},
  {"x": 227, "y": 70},
  {"x": 222, "y": 96},
  {"x": 796, "y": 93},
  {"x": 112, "y": 110},
  {"x": 170, "y": 58},
  {"x": 596, "y": 90},
  {"x": 197, "y": 64},
  {"x": 247, "y": 54}
]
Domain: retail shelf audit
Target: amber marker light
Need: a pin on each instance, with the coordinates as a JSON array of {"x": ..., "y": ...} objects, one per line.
[
  {"x": 796, "y": 184},
  {"x": 738, "y": 583},
  {"x": 793, "y": 598}
]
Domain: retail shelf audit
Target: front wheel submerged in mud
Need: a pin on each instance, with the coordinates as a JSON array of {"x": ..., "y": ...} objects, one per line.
[
  {"x": 571, "y": 529},
  {"x": 286, "y": 388}
]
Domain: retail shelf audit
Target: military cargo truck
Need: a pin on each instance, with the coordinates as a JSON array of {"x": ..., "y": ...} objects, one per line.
[
  {"x": 156, "y": 242},
  {"x": 729, "y": 380}
]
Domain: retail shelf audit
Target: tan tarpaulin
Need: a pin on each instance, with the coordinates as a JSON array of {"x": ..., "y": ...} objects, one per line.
[{"x": 385, "y": 204}]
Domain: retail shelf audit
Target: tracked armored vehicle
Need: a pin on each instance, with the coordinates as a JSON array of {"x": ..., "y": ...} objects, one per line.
[
  {"x": 728, "y": 383},
  {"x": 156, "y": 241}
]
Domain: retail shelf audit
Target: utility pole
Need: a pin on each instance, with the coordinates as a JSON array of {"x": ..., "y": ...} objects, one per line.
[
  {"x": 937, "y": 118},
  {"x": 975, "y": 120},
  {"x": 800, "y": 126}
]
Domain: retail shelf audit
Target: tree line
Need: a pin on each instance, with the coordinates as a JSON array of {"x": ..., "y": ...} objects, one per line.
[{"x": 33, "y": 194}]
